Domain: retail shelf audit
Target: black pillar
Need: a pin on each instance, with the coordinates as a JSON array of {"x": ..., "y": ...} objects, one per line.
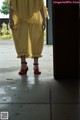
[
  {"x": 66, "y": 41},
  {"x": 79, "y": 40}
]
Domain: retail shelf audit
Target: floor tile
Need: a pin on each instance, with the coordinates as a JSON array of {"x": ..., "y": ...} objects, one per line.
[
  {"x": 22, "y": 92},
  {"x": 66, "y": 112},
  {"x": 65, "y": 91},
  {"x": 26, "y": 111}
]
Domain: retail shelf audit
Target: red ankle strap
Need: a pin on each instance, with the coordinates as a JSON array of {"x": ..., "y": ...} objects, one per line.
[
  {"x": 23, "y": 62},
  {"x": 35, "y": 63}
]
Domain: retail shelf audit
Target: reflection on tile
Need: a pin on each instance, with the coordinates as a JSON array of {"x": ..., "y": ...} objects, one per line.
[
  {"x": 66, "y": 112},
  {"x": 22, "y": 92},
  {"x": 27, "y": 111}
]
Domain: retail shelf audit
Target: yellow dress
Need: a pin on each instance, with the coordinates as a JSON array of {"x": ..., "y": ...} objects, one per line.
[{"x": 27, "y": 33}]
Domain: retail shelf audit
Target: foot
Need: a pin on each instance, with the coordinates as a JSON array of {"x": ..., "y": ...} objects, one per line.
[
  {"x": 36, "y": 69},
  {"x": 24, "y": 65},
  {"x": 24, "y": 68}
]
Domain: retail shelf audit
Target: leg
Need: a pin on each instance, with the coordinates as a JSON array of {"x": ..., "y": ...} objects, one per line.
[
  {"x": 24, "y": 67},
  {"x": 36, "y": 60},
  {"x": 23, "y": 61},
  {"x": 36, "y": 67}
]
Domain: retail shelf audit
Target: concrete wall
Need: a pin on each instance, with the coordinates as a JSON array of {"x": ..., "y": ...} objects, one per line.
[{"x": 49, "y": 23}]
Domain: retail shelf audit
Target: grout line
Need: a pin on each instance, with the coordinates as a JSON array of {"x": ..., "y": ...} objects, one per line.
[
  {"x": 50, "y": 97},
  {"x": 27, "y": 103},
  {"x": 43, "y": 103},
  {"x": 66, "y": 103}
]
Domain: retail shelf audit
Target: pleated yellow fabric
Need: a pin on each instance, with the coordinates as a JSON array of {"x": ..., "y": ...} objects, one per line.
[{"x": 27, "y": 33}]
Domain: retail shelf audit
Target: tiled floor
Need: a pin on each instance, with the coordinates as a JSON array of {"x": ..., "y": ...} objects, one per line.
[{"x": 36, "y": 97}]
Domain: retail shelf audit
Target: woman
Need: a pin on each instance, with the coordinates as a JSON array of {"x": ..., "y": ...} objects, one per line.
[{"x": 27, "y": 21}]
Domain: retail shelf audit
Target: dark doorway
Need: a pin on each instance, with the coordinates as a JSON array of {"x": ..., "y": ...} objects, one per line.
[{"x": 66, "y": 40}]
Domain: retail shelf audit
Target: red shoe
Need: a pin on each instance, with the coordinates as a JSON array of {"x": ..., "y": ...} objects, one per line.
[
  {"x": 36, "y": 70},
  {"x": 23, "y": 71}
]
